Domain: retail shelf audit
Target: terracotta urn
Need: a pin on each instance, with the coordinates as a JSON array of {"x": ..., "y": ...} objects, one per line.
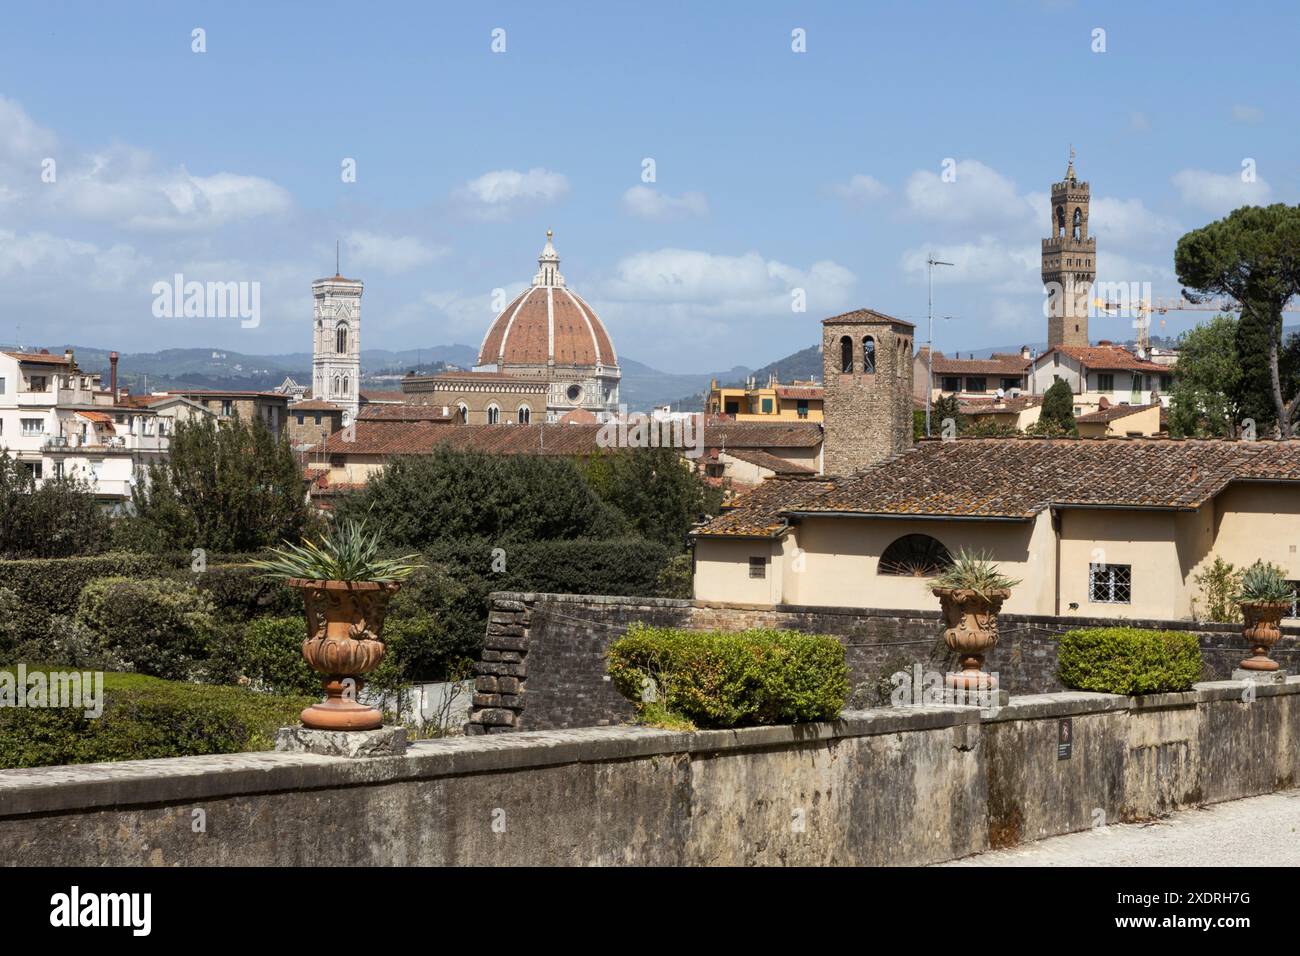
[
  {"x": 971, "y": 621},
  {"x": 1263, "y": 629},
  {"x": 344, "y": 622}
]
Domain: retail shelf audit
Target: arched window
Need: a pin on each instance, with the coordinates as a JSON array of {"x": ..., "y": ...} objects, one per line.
[
  {"x": 525, "y": 415},
  {"x": 1078, "y": 223},
  {"x": 1060, "y": 221},
  {"x": 338, "y": 385},
  {"x": 846, "y": 355},
  {"x": 914, "y": 556},
  {"x": 493, "y": 415},
  {"x": 341, "y": 339},
  {"x": 345, "y": 386},
  {"x": 868, "y": 354},
  {"x": 462, "y": 412}
]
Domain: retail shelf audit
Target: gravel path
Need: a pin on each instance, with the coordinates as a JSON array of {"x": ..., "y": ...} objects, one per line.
[{"x": 1262, "y": 831}]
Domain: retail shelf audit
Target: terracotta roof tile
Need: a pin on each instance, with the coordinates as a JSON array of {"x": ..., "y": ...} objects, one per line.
[
  {"x": 756, "y": 456},
  {"x": 405, "y": 413},
  {"x": 1109, "y": 357},
  {"x": 996, "y": 364},
  {"x": 1018, "y": 478},
  {"x": 1113, "y": 412}
]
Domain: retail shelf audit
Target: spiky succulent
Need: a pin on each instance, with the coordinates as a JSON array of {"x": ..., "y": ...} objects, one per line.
[
  {"x": 974, "y": 571},
  {"x": 1264, "y": 584},
  {"x": 348, "y": 552}
]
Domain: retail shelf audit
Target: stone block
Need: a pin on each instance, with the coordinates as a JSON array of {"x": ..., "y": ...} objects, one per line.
[
  {"x": 1260, "y": 677},
  {"x": 384, "y": 742},
  {"x": 495, "y": 717}
]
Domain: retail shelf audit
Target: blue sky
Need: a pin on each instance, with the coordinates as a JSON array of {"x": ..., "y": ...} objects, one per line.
[{"x": 774, "y": 170}]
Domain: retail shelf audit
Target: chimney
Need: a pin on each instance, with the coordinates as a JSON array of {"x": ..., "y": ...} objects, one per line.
[
  {"x": 1024, "y": 352},
  {"x": 67, "y": 357},
  {"x": 112, "y": 375}
]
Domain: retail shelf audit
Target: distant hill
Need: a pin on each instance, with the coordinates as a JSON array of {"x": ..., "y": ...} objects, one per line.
[{"x": 642, "y": 386}]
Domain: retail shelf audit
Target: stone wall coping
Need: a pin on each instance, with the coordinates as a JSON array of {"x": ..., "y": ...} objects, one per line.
[
  {"x": 182, "y": 780},
  {"x": 595, "y": 600}
]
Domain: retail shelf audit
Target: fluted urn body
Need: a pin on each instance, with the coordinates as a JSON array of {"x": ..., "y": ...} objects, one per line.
[
  {"x": 345, "y": 621},
  {"x": 1262, "y": 629},
  {"x": 971, "y": 631}
]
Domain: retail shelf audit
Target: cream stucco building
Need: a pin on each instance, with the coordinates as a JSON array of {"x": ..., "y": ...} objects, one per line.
[{"x": 1104, "y": 528}]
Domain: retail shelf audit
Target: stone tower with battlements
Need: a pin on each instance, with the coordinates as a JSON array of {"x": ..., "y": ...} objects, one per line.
[
  {"x": 867, "y": 375},
  {"x": 1069, "y": 262}
]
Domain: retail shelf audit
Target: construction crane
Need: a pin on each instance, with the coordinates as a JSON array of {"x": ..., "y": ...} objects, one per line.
[{"x": 1143, "y": 309}]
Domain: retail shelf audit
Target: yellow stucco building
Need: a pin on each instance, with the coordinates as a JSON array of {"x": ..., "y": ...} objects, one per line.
[
  {"x": 796, "y": 402},
  {"x": 1101, "y": 528}
]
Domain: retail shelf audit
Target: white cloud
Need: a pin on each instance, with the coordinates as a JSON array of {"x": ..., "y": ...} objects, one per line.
[
  {"x": 1247, "y": 115},
  {"x": 494, "y": 194},
  {"x": 719, "y": 285},
  {"x": 389, "y": 254},
  {"x": 1219, "y": 193},
  {"x": 1006, "y": 266},
  {"x": 860, "y": 189},
  {"x": 976, "y": 194},
  {"x": 1128, "y": 222},
  {"x": 646, "y": 203}
]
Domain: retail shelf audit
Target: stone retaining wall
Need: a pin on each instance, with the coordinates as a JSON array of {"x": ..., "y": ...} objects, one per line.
[
  {"x": 549, "y": 650},
  {"x": 885, "y": 786}
]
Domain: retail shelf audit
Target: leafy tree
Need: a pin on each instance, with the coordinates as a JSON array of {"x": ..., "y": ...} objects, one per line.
[
  {"x": 57, "y": 518},
  {"x": 655, "y": 489},
  {"x": 1252, "y": 255},
  {"x": 459, "y": 495},
  {"x": 1206, "y": 380},
  {"x": 225, "y": 486},
  {"x": 1057, "y": 417}
]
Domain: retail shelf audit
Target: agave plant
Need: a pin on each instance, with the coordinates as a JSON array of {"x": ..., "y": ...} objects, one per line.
[
  {"x": 974, "y": 571},
  {"x": 348, "y": 552},
  {"x": 1264, "y": 584}
]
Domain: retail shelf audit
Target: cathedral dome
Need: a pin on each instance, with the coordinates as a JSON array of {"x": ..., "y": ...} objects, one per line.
[{"x": 547, "y": 325}]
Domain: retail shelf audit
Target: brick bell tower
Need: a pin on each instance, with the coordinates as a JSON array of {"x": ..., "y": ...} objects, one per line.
[
  {"x": 867, "y": 371},
  {"x": 1069, "y": 262}
]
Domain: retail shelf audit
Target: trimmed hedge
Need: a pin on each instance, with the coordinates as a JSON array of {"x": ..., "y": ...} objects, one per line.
[
  {"x": 54, "y": 584},
  {"x": 161, "y": 626},
  {"x": 1128, "y": 660},
  {"x": 729, "y": 679},
  {"x": 144, "y": 718}
]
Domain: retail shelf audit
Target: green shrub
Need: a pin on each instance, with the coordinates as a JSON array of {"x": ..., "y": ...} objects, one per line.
[
  {"x": 160, "y": 625},
  {"x": 729, "y": 679},
  {"x": 54, "y": 584},
  {"x": 271, "y": 656},
  {"x": 242, "y": 593},
  {"x": 1127, "y": 660},
  {"x": 677, "y": 578},
  {"x": 146, "y": 718}
]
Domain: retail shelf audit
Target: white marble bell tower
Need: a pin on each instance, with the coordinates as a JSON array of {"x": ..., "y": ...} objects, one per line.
[{"x": 336, "y": 344}]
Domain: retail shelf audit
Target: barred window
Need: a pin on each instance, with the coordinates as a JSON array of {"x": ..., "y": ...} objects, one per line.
[
  {"x": 758, "y": 567},
  {"x": 1110, "y": 583}
]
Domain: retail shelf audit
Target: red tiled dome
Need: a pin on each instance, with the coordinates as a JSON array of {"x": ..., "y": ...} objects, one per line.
[{"x": 547, "y": 324}]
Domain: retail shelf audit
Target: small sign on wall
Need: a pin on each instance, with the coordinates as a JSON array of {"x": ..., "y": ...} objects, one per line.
[{"x": 1064, "y": 738}]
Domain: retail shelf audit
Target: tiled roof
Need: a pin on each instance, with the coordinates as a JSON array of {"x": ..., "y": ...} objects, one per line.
[
  {"x": 864, "y": 316},
  {"x": 1109, "y": 357},
  {"x": 1017, "y": 478},
  {"x": 314, "y": 405},
  {"x": 988, "y": 406},
  {"x": 39, "y": 358},
  {"x": 729, "y": 434},
  {"x": 103, "y": 418},
  {"x": 226, "y": 393},
  {"x": 996, "y": 364},
  {"x": 1112, "y": 412},
  {"x": 800, "y": 391},
  {"x": 756, "y": 456},
  {"x": 405, "y": 413},
  {"x": 578, "y": 416},
  {"x": 419, "y": 437},
  {"x": 369, "y": 396}
]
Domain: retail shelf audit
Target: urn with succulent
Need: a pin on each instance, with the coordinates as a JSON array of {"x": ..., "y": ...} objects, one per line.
[
  {"x": 1265, "y": 597},
  {"x": 971, "y": 591},
  {"x": 346, "y": 587}
]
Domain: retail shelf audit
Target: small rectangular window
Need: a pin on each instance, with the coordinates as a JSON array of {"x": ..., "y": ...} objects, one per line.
[
  {"x": 1110, "y": 583},
  {"x": 951, "y": 383},
  {"x": 976, "y": 383},
  {"x": 2, "y": 384},
  {"x": 1105, "y": 383},
  {"x": 300, "y": 418},
  {"x": 767, "y": 406},
  {"x": 758, "y": 567}
]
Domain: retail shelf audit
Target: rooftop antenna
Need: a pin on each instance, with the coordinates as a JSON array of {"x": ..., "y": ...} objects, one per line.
[
  {"x": 336, "y": 258},
  {"x": 931, "y": 262}
]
